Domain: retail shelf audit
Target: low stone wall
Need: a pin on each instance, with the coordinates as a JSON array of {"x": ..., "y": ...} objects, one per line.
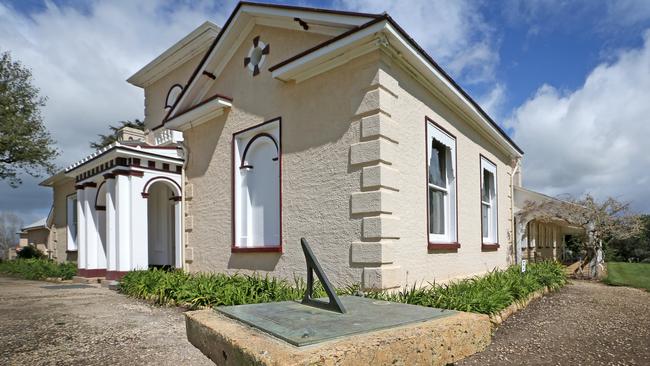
[
  {"x": 497, "y": 319},
  {"x": 436, "y": 342}
]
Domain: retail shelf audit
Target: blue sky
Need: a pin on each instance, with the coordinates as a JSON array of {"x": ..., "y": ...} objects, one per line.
[{"x": 552, "y": 73}]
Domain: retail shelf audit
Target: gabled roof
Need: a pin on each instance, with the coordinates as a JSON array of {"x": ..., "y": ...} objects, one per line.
[
  {"x": 353, "y": 30},
  {"x": 191, "y": 45},
  {"x": 243, "y": 18},
  {"x": 35, "y": 225}
]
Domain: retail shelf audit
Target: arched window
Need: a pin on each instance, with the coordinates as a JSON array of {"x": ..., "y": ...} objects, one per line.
[
  {"x": 257, "y": 187},
  {"x": 172, "y": 95}
]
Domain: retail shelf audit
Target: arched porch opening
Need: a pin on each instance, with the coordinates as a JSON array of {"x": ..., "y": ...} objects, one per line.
[
  {"x": 163, "y": 223},
  {"x": 100, "y": 222}
]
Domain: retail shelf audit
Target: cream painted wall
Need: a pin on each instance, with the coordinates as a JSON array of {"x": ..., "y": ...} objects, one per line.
[
  {"x": 321, "y": 120},
  {"x": 316, "y": 135},
  {"x": 412, "y": 105},
  {"x": 59, "y": 235},
  {"x": 156, "y": 94}
]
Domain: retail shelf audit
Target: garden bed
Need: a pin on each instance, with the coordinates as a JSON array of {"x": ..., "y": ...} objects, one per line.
[{"x": 489, "y": 294}]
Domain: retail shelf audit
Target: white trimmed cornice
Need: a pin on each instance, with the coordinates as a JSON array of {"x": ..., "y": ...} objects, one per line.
[
  {"x": 199, "y": 114},
  {"x": 182, "y": 51},
  {"x": 383, "y": 35}
]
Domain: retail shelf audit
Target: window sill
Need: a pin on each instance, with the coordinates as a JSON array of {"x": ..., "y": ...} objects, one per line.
[
  {"x": 71, "y": 251},
  {"x": 490, "y": 247},
  {"x": 276, "y": 249},
  {"x": 443, "y": 246}
]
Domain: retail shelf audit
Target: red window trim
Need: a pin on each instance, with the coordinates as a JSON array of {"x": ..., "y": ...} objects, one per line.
[
  {"x": 431, "y": 245},
  {"x": 237, "y": 248},
  {"x": 443, "y": 246},
  {"x": 489, "y": 247}
]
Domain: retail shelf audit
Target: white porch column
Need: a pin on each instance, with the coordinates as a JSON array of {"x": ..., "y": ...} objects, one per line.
[
  {"x": 111, "y": 225},
  {"x": 123, "y": 223},
  {"x": 178, "y": 232},
  {"x": 92, "y": 235},
  {"x": 140, "y": 228},
  {"x": 81, "y": 229}
]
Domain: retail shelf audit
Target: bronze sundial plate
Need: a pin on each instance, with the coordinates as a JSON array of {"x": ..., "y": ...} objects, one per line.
[{"x": 303, "y": 325}]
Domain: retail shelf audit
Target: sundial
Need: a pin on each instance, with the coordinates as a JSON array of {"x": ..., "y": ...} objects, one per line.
[{"x": 317, "y": 320}]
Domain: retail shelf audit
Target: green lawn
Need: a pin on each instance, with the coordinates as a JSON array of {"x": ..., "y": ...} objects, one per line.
[{"x": 629, "y": 274}]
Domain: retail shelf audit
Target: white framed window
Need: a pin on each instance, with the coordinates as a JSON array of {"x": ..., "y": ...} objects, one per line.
[
  {"x": 488, "y": 201},
  {"x": 256, "y": 173},
  {"x": 71, "y": 222},
  {"x": 441, "y": 185}
]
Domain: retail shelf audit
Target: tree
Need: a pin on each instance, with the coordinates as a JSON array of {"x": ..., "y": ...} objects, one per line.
[
  {"x": 25, "y": 144},
  {"x": 635, "y": 248},
  {"x": 10, "y": 225},
  {"x": 105, "y": 140},
  {"x": 602, "y": 222},
  {"x": 30, "y": 252}
]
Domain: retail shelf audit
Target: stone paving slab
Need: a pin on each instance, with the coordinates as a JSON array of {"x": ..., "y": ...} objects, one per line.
[
  {"x": 303, "y": 325},
  {"x": 439, "y": 341}
]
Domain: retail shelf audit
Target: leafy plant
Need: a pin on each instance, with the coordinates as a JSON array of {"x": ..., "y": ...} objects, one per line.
[
  {"x": 486, "y": 294},
  {"x": 38, "y": 269},
  {"x": 29, "y": 252}
]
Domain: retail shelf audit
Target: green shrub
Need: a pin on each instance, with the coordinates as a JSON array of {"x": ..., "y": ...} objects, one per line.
[
  {"x": 38, "y": 269},
  {"x": 486, "y": 294},
  {"x": 30, "y": 252},
  {"x": 208, "y": 289}
]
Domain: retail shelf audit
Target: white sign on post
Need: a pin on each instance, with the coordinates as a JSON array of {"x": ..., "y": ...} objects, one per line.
[{"x": 523, "y": 265}]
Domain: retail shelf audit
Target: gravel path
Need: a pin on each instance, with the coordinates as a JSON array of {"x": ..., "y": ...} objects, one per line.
[
  {"x": 88, "y": 326},
  {"x": 585, "y": 323}
]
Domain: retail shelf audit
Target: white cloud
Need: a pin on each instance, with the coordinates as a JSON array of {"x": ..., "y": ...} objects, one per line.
[
  {"x": 628, "y": 12},
  {"x": 593, "y": 139},
  {"x": 454, "y": 33},
  {"x": 493, "y": 101},
  {"x": 80, "y": 60}
]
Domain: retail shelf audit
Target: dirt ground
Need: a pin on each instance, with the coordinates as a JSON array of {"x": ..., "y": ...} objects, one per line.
[
  {"x": 88, "y": 326},
  {"x": 585, "y": 323}
]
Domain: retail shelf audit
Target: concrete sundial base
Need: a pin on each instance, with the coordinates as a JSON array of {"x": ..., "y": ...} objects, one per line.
[
  {"x": 371, "y": 332},
  {"x": 303, "y": 325}
]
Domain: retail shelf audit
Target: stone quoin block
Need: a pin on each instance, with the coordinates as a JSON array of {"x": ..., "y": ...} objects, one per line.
[
  {"x": 380, "y": 176},
  {"x": 374, "y": 151},
  {"x": 189, "y": 223},
  {"x": 379, "y": 124},
  {"x": 386, "y": 81},
  {"x": 373, "y": 202},
  {"x": 376, "y": 99},
  {"x": 189, "y": 255},
  {"x": 189, "y": 191},
  {"x": 372, "y": 252},
  {"x": 381, "y": 227},
  {"x": 383, "y": 277}
]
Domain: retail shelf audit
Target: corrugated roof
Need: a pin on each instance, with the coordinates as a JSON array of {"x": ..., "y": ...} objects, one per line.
[{"x": 37, "y": 224}]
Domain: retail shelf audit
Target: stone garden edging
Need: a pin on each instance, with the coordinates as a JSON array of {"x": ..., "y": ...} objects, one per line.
[{"x": 500, "y": 317}]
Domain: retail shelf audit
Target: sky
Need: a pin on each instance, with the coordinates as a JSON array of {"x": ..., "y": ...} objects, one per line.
[{"x": 568, "y": 80}]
